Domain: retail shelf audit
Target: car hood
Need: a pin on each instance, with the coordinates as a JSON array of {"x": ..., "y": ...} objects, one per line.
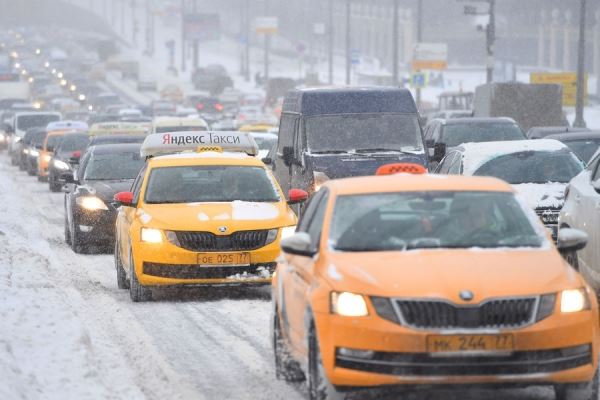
[
  {"x": 345, "y": 165},
  {"x": 445, "y": 273},
  {"x": 106, "y": 190},
  {"x": 542, "y": 195},
  {"x": 235, "y": 216}
]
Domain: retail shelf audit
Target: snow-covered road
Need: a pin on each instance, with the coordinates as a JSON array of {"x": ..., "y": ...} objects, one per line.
[{"x": 67, "y": 332}]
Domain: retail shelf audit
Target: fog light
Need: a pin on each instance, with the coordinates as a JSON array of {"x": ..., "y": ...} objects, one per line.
[{"x": 355, "y": 353}]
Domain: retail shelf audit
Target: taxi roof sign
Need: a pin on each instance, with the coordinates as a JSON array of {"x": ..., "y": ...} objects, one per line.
[
  {"x": 113, "y": 128},
  {"x": 176, "y": 142},
  {"x": 66, "y": 125}
]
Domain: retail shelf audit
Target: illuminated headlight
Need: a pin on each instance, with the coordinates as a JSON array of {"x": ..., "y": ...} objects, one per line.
[
  {"x": 2, "y": 138},
  {"x": 90, "y": 107},
  {"x": 91, "y": 203},
  {"x": 348, "y": 304},
  {"x": 81, "y": 97},
  {"x": 37, "y": 105},
  {"x": 319, "y": 179},
  {"x": 61, "y": 165},
  {"x": 30, "y": 79},
  {"x": 34, "y": 153},
  {"x": 574, "y": 300},
  {"x": 47, "y": 64},
  {"x": 288, "y": 231},
  {"x": 272, "y": 235},
  {"x": 150, "y": 235},
  {"x": 47, "y": 158},
  {"x": 17, "y": 139},
  {"x": 25, "y": 151}
]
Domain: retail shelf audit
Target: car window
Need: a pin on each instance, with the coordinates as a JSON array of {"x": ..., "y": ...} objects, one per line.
[
  {"x": 596, "y": 175},
  {"x": 137, "y": 184},
  {"x": 286, "y": 131},
  {"x": 315, "y": 225},
  {"x": 455, "y": 167},
  {"x": 444, "y": 166},
  {"x": 311, "y": 207}
]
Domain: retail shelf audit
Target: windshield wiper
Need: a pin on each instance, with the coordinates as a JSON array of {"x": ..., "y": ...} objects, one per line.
[{"x": 329, "y": 152}]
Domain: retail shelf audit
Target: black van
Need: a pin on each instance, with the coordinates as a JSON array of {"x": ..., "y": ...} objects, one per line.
[{"x": 336, "y": 133}]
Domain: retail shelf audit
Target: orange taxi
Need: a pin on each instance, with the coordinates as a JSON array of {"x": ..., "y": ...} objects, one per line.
[
  {"x": 426, "y": 280},
  {"x": 56, "y": 130}
]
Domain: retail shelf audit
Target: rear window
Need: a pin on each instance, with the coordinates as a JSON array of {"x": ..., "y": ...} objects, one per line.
[
  {"x": 25, "y": 122},
  {"x": 74, "y": 142},
  {"x": 113, "y": 166},
  {"x": 456, "y": 134}
]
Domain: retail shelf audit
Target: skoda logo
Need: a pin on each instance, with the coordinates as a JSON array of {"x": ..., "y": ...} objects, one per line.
[
  {"x": 466, "y": 295},
  {"x": 222, "y": 229}
]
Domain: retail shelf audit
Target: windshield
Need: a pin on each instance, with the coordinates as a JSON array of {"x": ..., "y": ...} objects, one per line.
[
  {"x": 74, "y": 142},
  {"x": 113, "y": 166},
  {"x": 25, "y": 122},
  {"x": 533, "y": 167},
  {"x": 356, "y": 132},
  {"x": 193, "y": 184},
  {"x": 584, "y": 149},
  {"x": 164, "y": 129},
  {"x": 456, "y": 134},
  {"x": 440, "y": 219}
]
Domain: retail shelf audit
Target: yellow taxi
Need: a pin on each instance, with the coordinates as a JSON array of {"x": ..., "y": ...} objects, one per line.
[
  {"x": 415, "y": 280},
  {"x": 203, "y": 211},
  {"x": 178, "y": 124},
  {"x": 56, "y": 130},
  {"x": 119, "y": 128},
  {"x": 257, "y": 127}
]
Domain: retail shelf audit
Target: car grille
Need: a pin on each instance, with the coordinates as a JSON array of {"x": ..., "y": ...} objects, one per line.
[
  {"x": 499, "y": 313},
  {"x": 423, "y": 364},
  {"x": 190, "y": 271},
  {"x": 207, "y": 241}
]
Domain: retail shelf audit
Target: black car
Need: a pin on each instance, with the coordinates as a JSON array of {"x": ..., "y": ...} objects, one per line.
[
  {"x": 35, "y": 145},
  {"x": 542, "y": 132},
  {"x": 26, "y": 143},
  {"x": 90, "y": 213},
  {"x": 116, "y": 139},
  {"x": 583, "y": 144},
  {"x": 65, "y": 154}
]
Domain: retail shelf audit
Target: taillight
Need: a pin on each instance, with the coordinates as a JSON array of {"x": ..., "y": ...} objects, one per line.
[
  {"x": 200, "y": 106},
  {"x": 76, "y": 154},
  {"x": 219, "y": 107}
]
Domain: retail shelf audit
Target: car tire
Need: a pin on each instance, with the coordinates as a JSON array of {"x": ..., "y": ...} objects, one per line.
[
  {"x": 579, "y": 391},
  {"x": 319, "y": 387},
  {"x": 286, "y": 368},
  {"x": 76, "y": 243},
  {"x": 67, "y": 231},
  {"x": 53, "y": 185},
  {"x": 122, "y": 282},
  {"x": 137, "y": 292}
]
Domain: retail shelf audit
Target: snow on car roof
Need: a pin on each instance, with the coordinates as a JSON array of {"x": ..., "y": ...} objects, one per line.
[{"x": 477, "y": 154}]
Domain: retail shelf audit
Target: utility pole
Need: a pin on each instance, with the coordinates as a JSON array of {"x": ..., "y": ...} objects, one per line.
[
  {"x": 490, "y": 41},
  {"x": 247, "y": 33},
  {"x": 419, "y": 40},
  {"x": 182, "y": 35},
  {"x": 330, "y": 39},
  {"x": 195, "y": 54},
  {"x": 348, "y": 41},
  {"x": 395, "y": 39},
  {"x": 122, "y": 17},
  {"x": 579, "y": 121}
]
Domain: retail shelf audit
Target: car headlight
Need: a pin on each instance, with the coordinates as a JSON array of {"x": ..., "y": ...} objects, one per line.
[
  {"x": 287, "y": 231},
  {"x": 319, "y": 179},
  {"x": 47, "y": 158},
  {"x": 2, "y": 137},
  {"x": 34, "y": 153},
  {"x": 150, "y": 235},
  {"x": 348, "y": 304},
  {"x": 61, "y": 165},
  {"x": 25, "y": 151},
  {"x": 574, "y": 300},
  {"x": 91, "y": 203}
]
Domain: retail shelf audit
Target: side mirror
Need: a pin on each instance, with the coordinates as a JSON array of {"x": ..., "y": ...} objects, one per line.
[
  {"x": 267, "y": 160},
  {"x": 296, "y": 196},
  {"x": 571, "y": 240},
  {"x": 299, "y": 244},
  {"x": 439, "y": 151},
  {"x": 288, "y": 155},
  {"x": 124, "y": 198}
]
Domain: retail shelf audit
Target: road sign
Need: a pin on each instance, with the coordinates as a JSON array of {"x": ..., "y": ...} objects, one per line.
[
  {"x": 418, "y": 80},
  {"x": 202, "y": 27},
  {"x": 430, "y": 56},
  {"x": 568, "y": 81},
  {"x": 266, "y": 25}
]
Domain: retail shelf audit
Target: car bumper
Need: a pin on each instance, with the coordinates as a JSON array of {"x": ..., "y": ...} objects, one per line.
[
  {"x": 168, "y": 265},
  {"x": 560, "y": 349},
  {"x": 96, "y": 227}
]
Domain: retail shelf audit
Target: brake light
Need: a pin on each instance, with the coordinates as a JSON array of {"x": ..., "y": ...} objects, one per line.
[
  {"x": 398, "y": 168},
  {"x": 219, "y": 107},
  {"x": 76, "y": 154},
  {"x": 200, "y": 106}
]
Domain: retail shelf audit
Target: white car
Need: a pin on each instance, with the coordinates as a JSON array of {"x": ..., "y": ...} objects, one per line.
[
  {"x": 582, "y": 211},
  {"x": 539, "y": 170}
]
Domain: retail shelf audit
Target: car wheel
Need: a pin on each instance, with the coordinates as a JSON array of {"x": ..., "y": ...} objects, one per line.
[
  {"x": 76, "y": 243},
  {"x": 579, "y": 391},
  {"x": 319, "y": 387},
  {"x": 122, "y": 282},
  {"x": 137, "y": 292},
  {"x": 286, "y": 367}
]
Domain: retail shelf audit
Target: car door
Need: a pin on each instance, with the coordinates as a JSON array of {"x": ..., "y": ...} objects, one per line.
[
  {"x": 587, "y": 200},
  {"x": 125, "y": 218},
  {"x": 287, "y": 129},
  {"x": 299, "y": 272}
]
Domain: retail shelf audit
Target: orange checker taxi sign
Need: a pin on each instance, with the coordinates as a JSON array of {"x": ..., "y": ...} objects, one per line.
[
  {"x": 427, "y": 280},
  {"x": 203, "y": 211}
]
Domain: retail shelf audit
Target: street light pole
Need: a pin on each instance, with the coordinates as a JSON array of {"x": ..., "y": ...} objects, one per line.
[
  {"x": 182, "y": 35},
  {"x": 579, "y": 121},
  {"x": 348, "y": 41},
  {"x": 395, "y": 39},
  {"x": 490, "y": 40},
  {"x": 419, "y": 40},
  {"x": 267, "y": 46},
  {"x": 247, "y": 33},
  {"x": 330, "y": 38},
  {"x": 195, "y": 50}
]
